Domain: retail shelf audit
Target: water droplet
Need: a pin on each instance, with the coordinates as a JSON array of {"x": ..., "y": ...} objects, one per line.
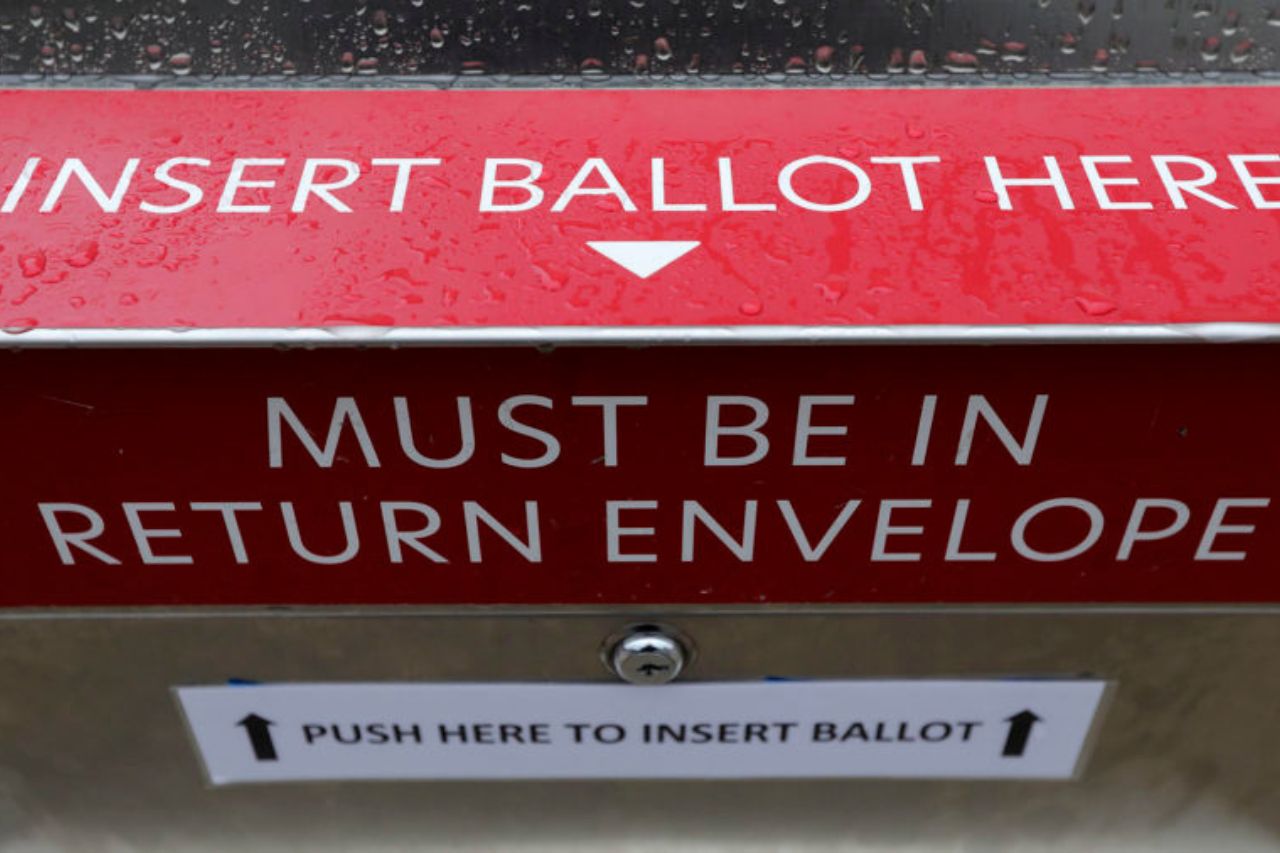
[
  {"x": 1095, "y": 306},
  {"x": 1014, "y": 51},
  {"x": 751, "y": 308},
  {"x": 832, "y": 291},
  {"x": 823, "y": 57},
  {"x": 1242, "y": 51},
  {"x": 85, "y": 254},
  {"x": 32, "y": 264}
]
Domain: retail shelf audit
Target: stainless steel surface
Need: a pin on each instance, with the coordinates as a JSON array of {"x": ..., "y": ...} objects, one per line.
[
  {"x": 639, "y": 40},
  {"x": 385, "y": 336},
  {"x": 94, "y": 757},
  {"x": 647, "y": 656}
]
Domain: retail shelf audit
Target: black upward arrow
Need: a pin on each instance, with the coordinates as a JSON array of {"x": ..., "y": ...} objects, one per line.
[
  {"x": 1020, "y": 725},
  {"x": 259, "y": 731}
]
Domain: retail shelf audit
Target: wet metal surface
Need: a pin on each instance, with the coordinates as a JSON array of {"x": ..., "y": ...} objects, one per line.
[
  {"x": 93, "y": 755},
  {"x": 589, "y": 39}
]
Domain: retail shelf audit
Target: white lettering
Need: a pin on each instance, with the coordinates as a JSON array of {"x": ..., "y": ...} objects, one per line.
[
  {"x": 1019, "y": 535},
  {"x": 236, "y": 182},
  {"x": 344, "y": 411},
  {"x": 805, "y": 429},
  {"x": 531, "y": 548},
  {"x": 885, "y": 528},
  {"x": 1134, "y": 532},
  {"x": 1216, "y": 528},
  {"x": 1001, "y": 184},
  {"x": 908, "y": 167},
  {"x": 609, "y": 417},
  {"x": 979, "y": 407},
  {"x": 714, "y": 431},
  {"x": 228, "y": 510},
  {"x": 323, "y": 190},
  {"x": 549, "y": 441},
  {"x": 615, "y": 531},
  {"x": 466, "y": 430},
  {"x": 404, "y": 167},
  {"x": 1099, "y": 184},
  {"x": 64, "y": 540},
  {"x": 490, "y": 183},
  {"x": 72, "y": 166},
  {"x": 142, "y": 536},
  {"x": 787, "y": 188},
  {"x": 743, "y": 549},
  {"x": 350, "y": 549},
  {"x": 413, "y": 538}
]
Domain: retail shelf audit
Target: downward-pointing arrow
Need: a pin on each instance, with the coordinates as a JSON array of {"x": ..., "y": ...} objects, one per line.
[{"x": 643, "y": 257}]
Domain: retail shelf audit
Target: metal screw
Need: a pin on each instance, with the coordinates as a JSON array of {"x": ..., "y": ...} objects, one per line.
[{"x": 648, "y": 657}]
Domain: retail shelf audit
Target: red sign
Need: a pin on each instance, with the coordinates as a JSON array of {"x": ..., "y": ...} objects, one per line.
[
  {"x": 660, "y": 475},
  {"x": 475, "y": 210},
  {"x": 672, "y": 474}
]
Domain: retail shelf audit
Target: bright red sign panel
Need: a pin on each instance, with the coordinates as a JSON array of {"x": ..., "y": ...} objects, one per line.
[
  {"x": 640, "y": 208},
  {"x": 663, "y": 475}
]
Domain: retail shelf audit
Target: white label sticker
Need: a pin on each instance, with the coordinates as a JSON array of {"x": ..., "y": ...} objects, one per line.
[{"x": 888, "y": 729}]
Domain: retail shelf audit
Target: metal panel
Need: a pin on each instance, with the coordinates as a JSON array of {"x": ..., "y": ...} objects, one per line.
[
  {"x": 637, "y": 39},
  {"x": 94, "y": 756}
]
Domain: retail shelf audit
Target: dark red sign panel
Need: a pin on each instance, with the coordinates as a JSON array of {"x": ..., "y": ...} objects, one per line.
[
  {"x": 205, "y": 209},
  {"x": 664, "y": 475}
]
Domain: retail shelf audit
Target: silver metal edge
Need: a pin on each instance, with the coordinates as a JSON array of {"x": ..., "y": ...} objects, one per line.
[
  {"x": 626, "y": 613},
  {"x": 387, "y": 336},
  {"x": 936, "y": 81}
]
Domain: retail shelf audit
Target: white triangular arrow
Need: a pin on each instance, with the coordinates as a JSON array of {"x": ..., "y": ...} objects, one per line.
[{"x": 643, "y": 257}]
